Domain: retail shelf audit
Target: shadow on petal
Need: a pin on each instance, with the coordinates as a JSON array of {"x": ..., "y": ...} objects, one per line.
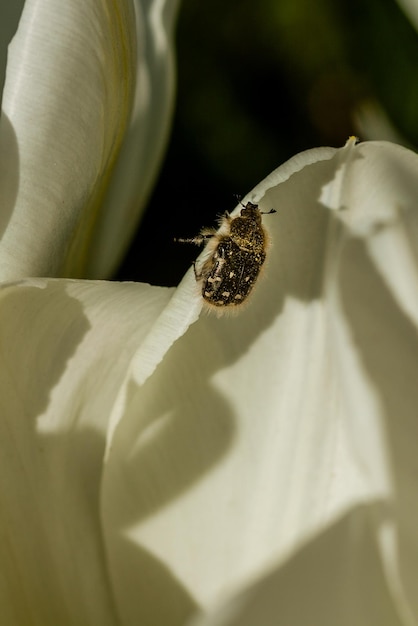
[
  {"x": 9, "y": 171},
  {"x": 387, "y": 345},
  {"x": 335, "y": 579}
]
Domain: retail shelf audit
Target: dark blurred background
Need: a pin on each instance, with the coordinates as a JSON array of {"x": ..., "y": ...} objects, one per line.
[{"x": 258, "y": 82}]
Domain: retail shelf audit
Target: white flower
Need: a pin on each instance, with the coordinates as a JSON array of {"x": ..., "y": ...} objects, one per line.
[{"x": 155, "y": 463}]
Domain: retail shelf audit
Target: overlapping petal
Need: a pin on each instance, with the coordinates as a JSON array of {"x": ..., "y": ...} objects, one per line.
[
  {"x": 256, "y": 433},
  {"x": 85, "y": 115},
  {"x": 65, "y": 350}
]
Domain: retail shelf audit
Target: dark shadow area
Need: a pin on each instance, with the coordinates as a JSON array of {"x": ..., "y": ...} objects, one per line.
[
  {"x": 9, "y": 171},
  {"x": 145, "y": 576},
  {"x": 10, "y": 13},
  {"x": 256, "y": 84},
  {"x": 169, "y": 433},
  {"x": 25, "y": 342}
]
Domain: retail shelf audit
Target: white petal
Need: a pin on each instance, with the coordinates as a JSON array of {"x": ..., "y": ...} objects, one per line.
[
  {"x": 335, "y": 579},
  {"x": 66, "y": 103},
  {"x": 142, "y": 149},
  {"x": 410, "y": 8},
  {"x": 65, "y": 349},
  {"x": 256, "y": 431}
]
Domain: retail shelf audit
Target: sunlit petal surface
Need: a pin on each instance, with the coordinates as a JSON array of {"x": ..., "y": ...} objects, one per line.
[
  {"x": 66, "y": 105},
  {"x": 256, "y": 433}
]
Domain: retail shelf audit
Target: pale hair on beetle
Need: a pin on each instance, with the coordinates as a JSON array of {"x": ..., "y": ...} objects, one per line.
[{"x": 234, "y": 256}]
